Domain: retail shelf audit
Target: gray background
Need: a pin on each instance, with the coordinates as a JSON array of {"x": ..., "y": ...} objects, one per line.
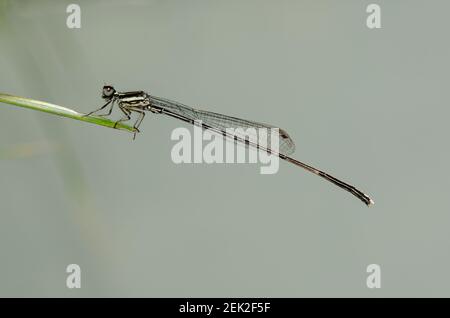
[{"x": 369, "y": 106}]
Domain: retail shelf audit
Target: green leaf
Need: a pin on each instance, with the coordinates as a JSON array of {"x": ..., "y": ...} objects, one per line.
[{"x": 61, "y": 111}]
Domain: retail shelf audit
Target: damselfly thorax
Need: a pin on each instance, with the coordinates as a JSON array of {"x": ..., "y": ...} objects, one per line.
[
  {"x": 138, "y": 100},
  {"x": 135, "y": 99}
]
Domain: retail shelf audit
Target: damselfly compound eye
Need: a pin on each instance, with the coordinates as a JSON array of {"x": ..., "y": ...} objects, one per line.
[{"x": 108, "y": 91}]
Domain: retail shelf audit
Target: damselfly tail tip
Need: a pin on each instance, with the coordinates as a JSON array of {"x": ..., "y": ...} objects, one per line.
[{"x": 371, "y": 202}]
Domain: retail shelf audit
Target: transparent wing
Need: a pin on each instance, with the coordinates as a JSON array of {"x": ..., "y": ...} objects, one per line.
[{"x": 224, "y": 122}]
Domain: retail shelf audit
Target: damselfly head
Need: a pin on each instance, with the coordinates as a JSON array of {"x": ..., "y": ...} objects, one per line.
[{"x": 108, "y": 91}]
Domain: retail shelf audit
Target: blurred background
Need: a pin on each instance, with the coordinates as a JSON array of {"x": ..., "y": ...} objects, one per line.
[{"x": 368, "y": 106}]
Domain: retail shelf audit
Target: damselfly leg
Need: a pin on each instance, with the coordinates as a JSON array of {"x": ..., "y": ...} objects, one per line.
[
  {"x": 110, "y": 109},
  {"x": 111, "y": 101},
  {"x": 127, "y": 114},
  {"x": 138, "y": 121}
]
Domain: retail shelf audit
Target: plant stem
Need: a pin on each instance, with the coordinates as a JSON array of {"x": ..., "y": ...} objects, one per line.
[{"x": 61, "y": 111}]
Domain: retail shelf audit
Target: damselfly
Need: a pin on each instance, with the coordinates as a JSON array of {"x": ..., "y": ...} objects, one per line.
[{"x": 139, "y": 102}]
